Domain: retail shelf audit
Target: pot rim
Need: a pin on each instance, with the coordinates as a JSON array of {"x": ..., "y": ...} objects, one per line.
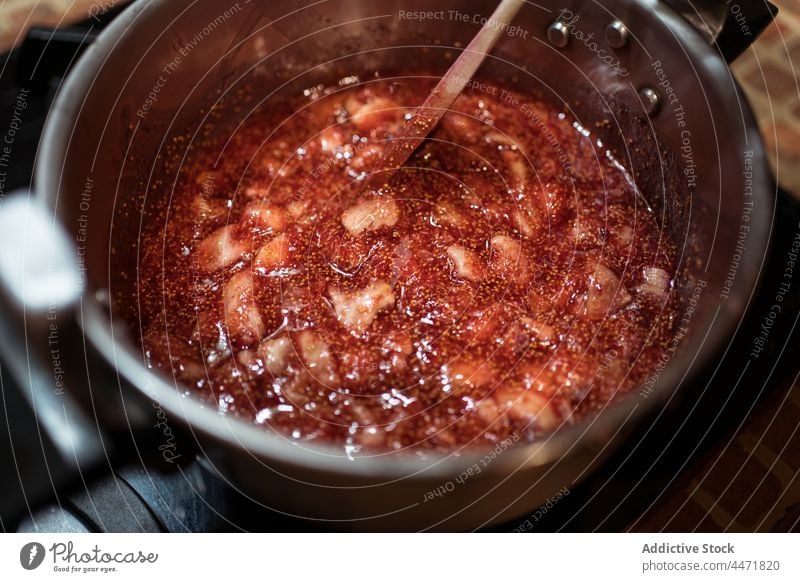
[{"x": 262, "y": 445}]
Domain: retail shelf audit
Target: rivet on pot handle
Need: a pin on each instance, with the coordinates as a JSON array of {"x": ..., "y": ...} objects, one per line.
[
  {"x": 732, "y": 26},
  {"x": 41, "y": 285}
]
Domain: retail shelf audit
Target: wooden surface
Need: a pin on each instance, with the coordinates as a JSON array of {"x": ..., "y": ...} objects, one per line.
[{"x": 769, "y": 73}]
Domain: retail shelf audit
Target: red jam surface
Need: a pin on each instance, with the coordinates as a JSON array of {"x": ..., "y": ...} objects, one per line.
[{"x": 509, "y": 279}]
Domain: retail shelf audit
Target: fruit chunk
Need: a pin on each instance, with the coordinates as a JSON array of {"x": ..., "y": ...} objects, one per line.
[
  {"x": 655, "y": 282},
  {"x": 318, "y": 358},
  {"x": 606, "y": 292},
  {"x": 273, "y": 255},
  {"x": 528, "y": 406},
  {"x": 220, "y": 249},
  {"x": 272, "y": 355},
  {"x": 509, "y": 261},
  {"x": 356, "y": 310},
  {"x": 466, "y": 264},
  {"x": 371, "y": 215},
  {"x": 264, "y": 216},
  {"x": 242, "y": 317},
  {"x": 376, "y": 113},
  {"x": 470, "y": 372}
]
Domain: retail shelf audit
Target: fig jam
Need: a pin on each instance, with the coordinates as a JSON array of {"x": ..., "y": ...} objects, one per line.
[{"x": 507, "y": 280}]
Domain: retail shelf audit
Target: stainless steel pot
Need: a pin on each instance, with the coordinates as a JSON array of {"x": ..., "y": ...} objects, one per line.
[{"x": 671, "y": 111}]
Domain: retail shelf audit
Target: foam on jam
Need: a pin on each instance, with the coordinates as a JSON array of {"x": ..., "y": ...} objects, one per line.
[{"x": 509, "y": 279}]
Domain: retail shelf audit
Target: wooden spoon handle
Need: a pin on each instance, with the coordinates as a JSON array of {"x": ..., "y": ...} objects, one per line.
[{"x": 427, "y": 116}]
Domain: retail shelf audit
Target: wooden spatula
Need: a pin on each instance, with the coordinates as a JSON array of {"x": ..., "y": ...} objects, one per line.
[{"x": 427, "y": 116}]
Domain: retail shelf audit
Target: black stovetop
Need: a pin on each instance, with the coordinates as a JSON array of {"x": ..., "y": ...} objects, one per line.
[{"x": 147, "y": 496}]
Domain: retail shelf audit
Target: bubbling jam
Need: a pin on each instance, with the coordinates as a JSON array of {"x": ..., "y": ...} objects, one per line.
[{"x": 507, "y": 280}]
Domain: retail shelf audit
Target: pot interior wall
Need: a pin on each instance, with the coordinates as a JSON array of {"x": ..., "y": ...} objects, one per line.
[{"x": 176, "y": 68}]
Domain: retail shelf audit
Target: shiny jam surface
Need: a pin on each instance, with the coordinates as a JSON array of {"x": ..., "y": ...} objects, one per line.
[{"x": 507, "y": 280}]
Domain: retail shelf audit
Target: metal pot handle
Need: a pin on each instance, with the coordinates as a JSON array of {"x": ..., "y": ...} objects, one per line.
[
  {"x": 41, "y": 287},
  {"x": 731, "y": 26}
]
